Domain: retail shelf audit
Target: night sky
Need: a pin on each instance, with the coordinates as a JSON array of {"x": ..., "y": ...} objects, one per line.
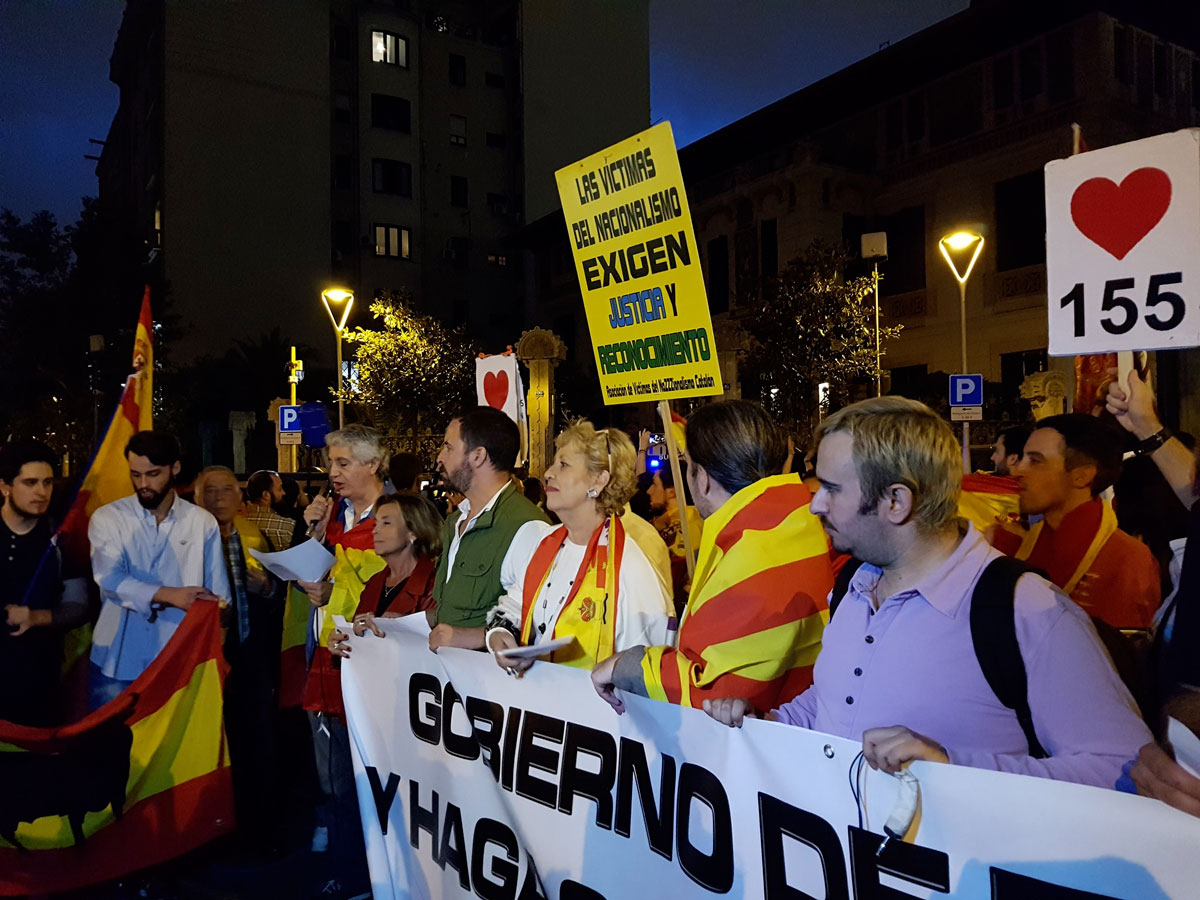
[{"x": 711, "y": 62}]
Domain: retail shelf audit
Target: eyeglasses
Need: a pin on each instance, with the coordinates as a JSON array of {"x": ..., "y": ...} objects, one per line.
[{"x": 607, "y": 446}]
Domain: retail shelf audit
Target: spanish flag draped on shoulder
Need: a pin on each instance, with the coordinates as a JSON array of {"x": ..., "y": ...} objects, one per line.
[
  {"x": 758, "y": 605},
  {"x": 146, "y": 777}
]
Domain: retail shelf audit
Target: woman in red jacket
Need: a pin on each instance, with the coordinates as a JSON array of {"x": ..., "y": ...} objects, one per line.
[{"x": 408, "y": 536}]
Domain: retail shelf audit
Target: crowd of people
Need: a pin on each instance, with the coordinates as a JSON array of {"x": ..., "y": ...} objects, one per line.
[{"x": 852, "y": 597}]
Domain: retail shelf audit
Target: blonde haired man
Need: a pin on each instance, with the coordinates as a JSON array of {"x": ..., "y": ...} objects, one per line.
[{"x": 900, "y": 647}]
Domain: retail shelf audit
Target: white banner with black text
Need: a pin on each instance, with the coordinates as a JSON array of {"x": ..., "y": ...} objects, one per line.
[{"x": 471, "y": 782}]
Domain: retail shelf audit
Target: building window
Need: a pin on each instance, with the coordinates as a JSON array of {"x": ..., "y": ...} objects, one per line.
[
  {"x": 916, "y": 117},
  {"x": 458, "y": 252},
  {"x": 893, "y": 125},
  {"x": 343, "y": 108},
  {"x": 769, "y": 248},
  {"x": 458, "y": 130},
  {"x": 909, "y": 381},
  {"x": 1162, "y": 70},
  {"x": 389, "y": 48},
  {"x": 390, "y": 176},
  {"x": 493, "y": 79},
  {"x": 497, "y": 260},
  {"x": 390, "y": 112},
  {"x": 458, "y": 69},
  {"x": 956, "y": 107},
  {"x": 1016, "y": 367},
  {"x": 905, "y": 267},
  {"x": 718, "y": 274},
  {"x": 1121, "y": 67},
  {"x": 343, "y": 173},
  {"x": 1002, "y": 82},
  {"x": 393, "y": 240},
  {"x": 1021, "y": 221},
  {"x": 498, "y": 204},
  {"x": 1060, "y": 67},
  {"x": 458, "y": 190},
  {"x": 1031, "y": 71},
  {"x": 343, "y": 239},
  {"x": 343, "y": 41},
  {"x": 496, "y": 139}
]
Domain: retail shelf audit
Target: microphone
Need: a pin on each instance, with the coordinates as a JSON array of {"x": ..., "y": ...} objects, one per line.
[{"x": 327, "y": 492}]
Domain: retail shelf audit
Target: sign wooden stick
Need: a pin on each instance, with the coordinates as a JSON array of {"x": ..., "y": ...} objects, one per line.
[{"x": 689, "y": 554}]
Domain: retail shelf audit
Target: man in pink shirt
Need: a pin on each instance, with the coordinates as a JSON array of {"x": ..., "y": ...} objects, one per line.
[{"x": 900, "y": 649}]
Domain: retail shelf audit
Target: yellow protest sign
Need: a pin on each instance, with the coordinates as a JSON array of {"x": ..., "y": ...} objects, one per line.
[{"x": 639, "y": 271}]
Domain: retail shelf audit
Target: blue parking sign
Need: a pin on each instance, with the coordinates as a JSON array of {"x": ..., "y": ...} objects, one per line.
[
  {"x": 289, "y": 419},
  {"x": 966, "y": 390}
]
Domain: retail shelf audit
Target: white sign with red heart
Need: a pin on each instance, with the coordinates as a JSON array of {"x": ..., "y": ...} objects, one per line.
[
  {"x": 1123, "y": 247},
  {"x": 498, "y": 384}
]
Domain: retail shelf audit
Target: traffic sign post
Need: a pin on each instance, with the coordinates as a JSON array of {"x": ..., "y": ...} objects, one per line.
[{"x": 966, "y": 405}]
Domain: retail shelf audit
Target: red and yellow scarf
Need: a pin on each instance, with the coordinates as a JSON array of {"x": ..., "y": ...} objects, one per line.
[{"x": 590, "y": 610}]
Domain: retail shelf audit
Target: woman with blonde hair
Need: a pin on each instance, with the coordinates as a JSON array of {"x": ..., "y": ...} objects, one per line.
[{"x": 585, "y": 578}]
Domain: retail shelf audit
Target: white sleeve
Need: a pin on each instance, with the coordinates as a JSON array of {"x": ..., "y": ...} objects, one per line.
[
  {"x": 643, "y": 606},
  {"x": 512, "y": 569}
]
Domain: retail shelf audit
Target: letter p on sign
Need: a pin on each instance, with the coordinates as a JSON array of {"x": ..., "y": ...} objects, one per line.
[
  {"x": 966, "y": 390},
  {"x": 289, "y": 418}
]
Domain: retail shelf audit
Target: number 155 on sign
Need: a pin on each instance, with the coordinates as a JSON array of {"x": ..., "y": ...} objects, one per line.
[{"x": 1123, "y": 247}]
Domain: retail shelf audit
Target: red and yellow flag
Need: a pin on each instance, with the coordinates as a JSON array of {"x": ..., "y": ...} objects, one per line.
[
  {"x": 758, "y": 605},
  {"x": 143, "y": 779},
  {"x": 107, "y": 478}
]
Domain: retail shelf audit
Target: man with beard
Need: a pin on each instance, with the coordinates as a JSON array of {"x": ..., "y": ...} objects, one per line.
[
  {"x": 153, "y": 555},
  {"x": 41, "y": 601},
  {"x": 478, "y": 452}
]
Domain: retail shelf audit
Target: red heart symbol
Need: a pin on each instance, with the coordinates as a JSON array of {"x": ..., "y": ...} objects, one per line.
[
  {"x": 495, "y": 388},
  {"x": 1117, "y": 217}
]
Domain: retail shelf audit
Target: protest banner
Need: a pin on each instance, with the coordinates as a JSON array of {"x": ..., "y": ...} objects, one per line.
[
  {"x": 474, "y": 783},
  {"x": 1123, "y": 247},
  {"x": 141, "y": 780},
  {"x": 639, "y": 271}
]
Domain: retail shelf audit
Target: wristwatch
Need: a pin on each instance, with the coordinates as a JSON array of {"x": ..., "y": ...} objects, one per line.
[{"x": 1152, "y": 443}]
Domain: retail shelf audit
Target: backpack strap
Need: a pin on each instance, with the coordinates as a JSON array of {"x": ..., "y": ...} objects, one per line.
[
  {"x": 841, "y": 584},
  {"x": 994, "y": 634}
]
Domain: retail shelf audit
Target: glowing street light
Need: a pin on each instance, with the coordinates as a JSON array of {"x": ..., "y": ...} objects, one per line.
[
  {"x": 340, "y": 299},
  {"x": 956, "y": 248}
]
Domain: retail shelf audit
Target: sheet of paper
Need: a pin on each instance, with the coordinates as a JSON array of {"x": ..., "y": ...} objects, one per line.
[
  {"x": 1186, "y": 744},
  {"x": 304, "y": 562},
  {"x": 536, "y": 650}
]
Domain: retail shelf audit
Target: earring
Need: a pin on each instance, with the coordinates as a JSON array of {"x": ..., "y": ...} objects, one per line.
[{"x": 593, "y": 493}]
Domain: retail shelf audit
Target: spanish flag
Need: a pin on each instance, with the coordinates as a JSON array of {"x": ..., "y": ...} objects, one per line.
[
  {"x": 106, "y": 480},
  {"x": 758, "y": 605},
  {"x": 141, "y": 780},
  {"x": 988, "y": 500}
]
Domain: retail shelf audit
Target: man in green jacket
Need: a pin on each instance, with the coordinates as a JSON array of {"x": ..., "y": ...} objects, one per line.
[{"x": 477, "y": 456}]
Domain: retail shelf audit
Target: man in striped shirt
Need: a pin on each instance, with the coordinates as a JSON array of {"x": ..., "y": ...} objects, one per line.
[{"x": 757, "y": 608}]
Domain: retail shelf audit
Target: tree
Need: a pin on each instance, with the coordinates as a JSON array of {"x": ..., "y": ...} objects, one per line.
[
  {"x": 819, "y": 326},
  {"x": 413, "y": 376}
]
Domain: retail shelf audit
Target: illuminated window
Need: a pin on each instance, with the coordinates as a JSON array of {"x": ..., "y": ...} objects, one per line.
[
  {"x": 389, "y": 48},
  {"x": 393, "y": 240},
  {"x": 458, "y": 130},
  {"x": 497, "y": 260}
]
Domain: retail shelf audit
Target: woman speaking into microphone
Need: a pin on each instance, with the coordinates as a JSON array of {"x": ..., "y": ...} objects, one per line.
[{"x": 585, "y": 578}]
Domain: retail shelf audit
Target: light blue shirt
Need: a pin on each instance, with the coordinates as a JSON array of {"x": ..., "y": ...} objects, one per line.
[{"x": 132, "y": 557}]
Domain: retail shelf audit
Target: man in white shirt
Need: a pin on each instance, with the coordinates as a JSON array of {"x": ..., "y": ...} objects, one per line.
[{"x": 153, "y": 555}]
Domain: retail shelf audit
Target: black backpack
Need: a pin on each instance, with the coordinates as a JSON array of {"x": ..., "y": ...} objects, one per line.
[{"x": 994, "y": 635}]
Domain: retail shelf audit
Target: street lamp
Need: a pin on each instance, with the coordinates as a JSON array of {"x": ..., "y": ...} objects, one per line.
[
  {"x": 956, "y": 247},
  {"x": 340, "y": 299}
]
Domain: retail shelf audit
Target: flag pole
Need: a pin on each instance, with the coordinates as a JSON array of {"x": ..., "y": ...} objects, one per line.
[{"x": 689, "y": 554}]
